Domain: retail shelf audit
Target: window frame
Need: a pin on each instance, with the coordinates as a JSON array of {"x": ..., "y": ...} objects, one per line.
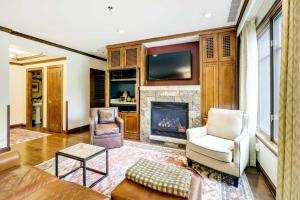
[{"x": 268, "y": 22}]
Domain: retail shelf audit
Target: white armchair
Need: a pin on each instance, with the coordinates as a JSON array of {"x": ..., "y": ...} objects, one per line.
[{"x": 223, "y": 144}]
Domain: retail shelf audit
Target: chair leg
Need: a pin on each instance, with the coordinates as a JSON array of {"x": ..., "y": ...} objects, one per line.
[
  {"x": 190, "y": 162},
  {"x": 235, "y": 181}
]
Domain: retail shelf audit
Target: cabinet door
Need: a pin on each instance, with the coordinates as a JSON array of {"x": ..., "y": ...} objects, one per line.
[
  {"x": 227, "y": 46},
  {"x": 132, "y": 56},
  {"x": 115, "y": 58},
  {"x": 209, "y": 87},
  {"x": 132, "y": 126},
  {"x": 227, "y": 85},
  {"x": 209, "y": 48}
]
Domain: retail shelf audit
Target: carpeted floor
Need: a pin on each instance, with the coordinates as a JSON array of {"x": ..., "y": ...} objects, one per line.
[
  {"x": 215, "y": 185},
  {"x": 19, "y": 135}
]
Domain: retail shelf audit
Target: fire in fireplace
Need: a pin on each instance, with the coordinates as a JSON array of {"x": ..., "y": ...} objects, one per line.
[{"x": 169, "y": 119}]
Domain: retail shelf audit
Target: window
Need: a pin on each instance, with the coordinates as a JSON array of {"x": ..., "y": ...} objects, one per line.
[{"x": 269, "y": 59}]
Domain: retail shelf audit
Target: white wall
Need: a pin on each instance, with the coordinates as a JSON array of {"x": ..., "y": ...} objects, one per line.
[
  {"x": 17, "y": 94},
  {"x": 76, "y": 77},
  {"x": 4, "y": 87}
]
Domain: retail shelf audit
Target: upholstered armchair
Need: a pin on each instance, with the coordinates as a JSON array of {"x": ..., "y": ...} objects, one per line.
[
  {"x": 223, "y": 144},
  {"x": 106, "y": 127}
]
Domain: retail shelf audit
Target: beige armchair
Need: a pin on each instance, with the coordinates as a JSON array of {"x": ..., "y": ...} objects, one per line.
[{"x": 223, "y": 144}]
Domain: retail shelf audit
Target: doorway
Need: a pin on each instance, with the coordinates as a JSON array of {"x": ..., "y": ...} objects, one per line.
[
  {"x": 35, "y": 83},
  {"x": 97, "y": 88},
  {"x": 55, "y": 98}
]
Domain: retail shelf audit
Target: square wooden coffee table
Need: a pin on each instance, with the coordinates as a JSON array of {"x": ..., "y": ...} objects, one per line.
[{"x": 82, "y": 152}]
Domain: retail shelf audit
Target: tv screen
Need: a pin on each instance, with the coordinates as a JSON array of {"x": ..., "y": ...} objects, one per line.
[{"x": 169, "y": 66}]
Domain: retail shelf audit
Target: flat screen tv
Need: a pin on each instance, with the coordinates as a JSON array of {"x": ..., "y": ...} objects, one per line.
[{"x": 169, "y": 66}]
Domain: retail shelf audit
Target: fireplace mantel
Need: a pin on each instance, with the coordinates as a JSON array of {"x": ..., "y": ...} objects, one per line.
[
  {"x": 182, "y": 94},
  {"x": 171, "y": 88}
]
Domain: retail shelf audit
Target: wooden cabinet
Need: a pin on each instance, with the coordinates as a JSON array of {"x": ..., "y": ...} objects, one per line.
[
  {"x": 115, "y": 58},
  {"x": 131, "y": 125},
  {"x": 132, "y": 56},
  {"x": 124, "y": 57},
  {"x": 218, "y": 73}
]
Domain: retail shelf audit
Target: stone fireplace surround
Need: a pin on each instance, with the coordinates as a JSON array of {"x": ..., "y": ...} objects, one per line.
[{"x": 182, "y": 94}]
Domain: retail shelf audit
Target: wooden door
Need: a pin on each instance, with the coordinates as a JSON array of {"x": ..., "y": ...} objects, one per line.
[
  {"x": 54, "y": 98},
  {"x": 132, "y": 56},
  {"x": 115, "y": 58},
  {"x": 97, "y": 88},
  {"x": 29, "y": 100},
  {"x": 227, "y": 85},
  {"x": 209, "y": 88}
]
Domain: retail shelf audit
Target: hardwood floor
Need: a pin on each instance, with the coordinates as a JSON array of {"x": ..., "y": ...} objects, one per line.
[{"x": 37, "y": 151}]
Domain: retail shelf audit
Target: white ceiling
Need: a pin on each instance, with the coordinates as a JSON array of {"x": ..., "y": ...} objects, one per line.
[{"x": 88, "y": 25}]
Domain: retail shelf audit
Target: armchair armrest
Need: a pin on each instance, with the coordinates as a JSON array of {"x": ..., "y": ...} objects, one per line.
[
  {"x": 9, "y": 160},
  {"x": 193, "y": 133},
  {"x": 241, "y": 150},
  {"x": 120, "y": 122},
  {"x": 93, "y": 123}
]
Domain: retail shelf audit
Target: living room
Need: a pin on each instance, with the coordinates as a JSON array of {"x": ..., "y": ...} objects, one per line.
[{"x": 199, "y": 102}]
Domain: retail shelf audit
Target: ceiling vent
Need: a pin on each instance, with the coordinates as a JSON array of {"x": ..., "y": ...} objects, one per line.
[{"x": 235, "y": 4}]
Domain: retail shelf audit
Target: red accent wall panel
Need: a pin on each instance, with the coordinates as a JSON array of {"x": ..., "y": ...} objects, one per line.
[{"x": 191, "y": 46}]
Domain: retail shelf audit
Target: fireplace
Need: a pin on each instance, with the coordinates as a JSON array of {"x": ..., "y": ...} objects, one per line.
[{"x": 169, "y": 119}]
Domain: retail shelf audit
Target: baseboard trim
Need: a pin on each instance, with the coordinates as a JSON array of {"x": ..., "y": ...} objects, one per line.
[
  {"x": 5, "y": 149},
  {"x": 78, "y": 129},
  {"x": 17, "y": 125},
  {"x": 270, "y": 184}
]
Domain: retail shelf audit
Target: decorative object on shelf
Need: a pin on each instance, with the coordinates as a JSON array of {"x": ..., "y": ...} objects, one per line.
[
  {"x": 125, "y": 94},
  {"x": 133, "y": 100},
  {"x": 123, "y": 99},
  {"x": 128, "y": 99}
]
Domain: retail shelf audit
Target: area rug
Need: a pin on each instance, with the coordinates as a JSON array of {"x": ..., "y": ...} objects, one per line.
[
  {"x": 120, "y": 159},
  {"x": 19, "y": 135}
]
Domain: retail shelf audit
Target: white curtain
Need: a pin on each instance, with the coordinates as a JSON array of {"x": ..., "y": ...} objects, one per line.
[{"x": 249, "y": 82}]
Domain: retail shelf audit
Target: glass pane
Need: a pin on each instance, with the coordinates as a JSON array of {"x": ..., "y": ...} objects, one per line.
[
  {"x": 277, "y": 62},
  {"x": 264, "y": 111}
]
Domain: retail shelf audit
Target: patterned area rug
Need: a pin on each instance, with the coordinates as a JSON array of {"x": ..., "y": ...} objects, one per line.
[
  {"x": 215, "y": 186},
  {"x": 18, "y": 135}
]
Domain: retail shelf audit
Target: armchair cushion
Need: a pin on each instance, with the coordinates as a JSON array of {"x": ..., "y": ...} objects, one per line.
[
  {"x": 106, "y": 129},
  {"x": 224, "y": 123},
  {"x": 214, "y": 147},
  {"x": 106, "y": 115}
]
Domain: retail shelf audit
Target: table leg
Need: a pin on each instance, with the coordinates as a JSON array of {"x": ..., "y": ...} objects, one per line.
[
  {"x": 56, "y": 165},
  {"x": 84, "y": 173},
  {"x": 106, "y": 161}
]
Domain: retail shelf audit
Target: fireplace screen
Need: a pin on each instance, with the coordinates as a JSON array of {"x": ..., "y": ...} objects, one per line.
[{"x": 169, "y": 119}]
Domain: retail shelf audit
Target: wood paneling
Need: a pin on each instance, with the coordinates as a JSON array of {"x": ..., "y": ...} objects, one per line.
[
  {"x": 218, "y": 72},
  {"x": 54, "y": 100}
]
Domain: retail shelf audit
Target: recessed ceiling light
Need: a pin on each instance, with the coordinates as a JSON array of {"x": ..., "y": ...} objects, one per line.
[
  {"x": 121, "y": 31},
  {"x": 154, "y": 55},
  {"x": 110, "y": 8},
  {"x": 207, "y": 14}
]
